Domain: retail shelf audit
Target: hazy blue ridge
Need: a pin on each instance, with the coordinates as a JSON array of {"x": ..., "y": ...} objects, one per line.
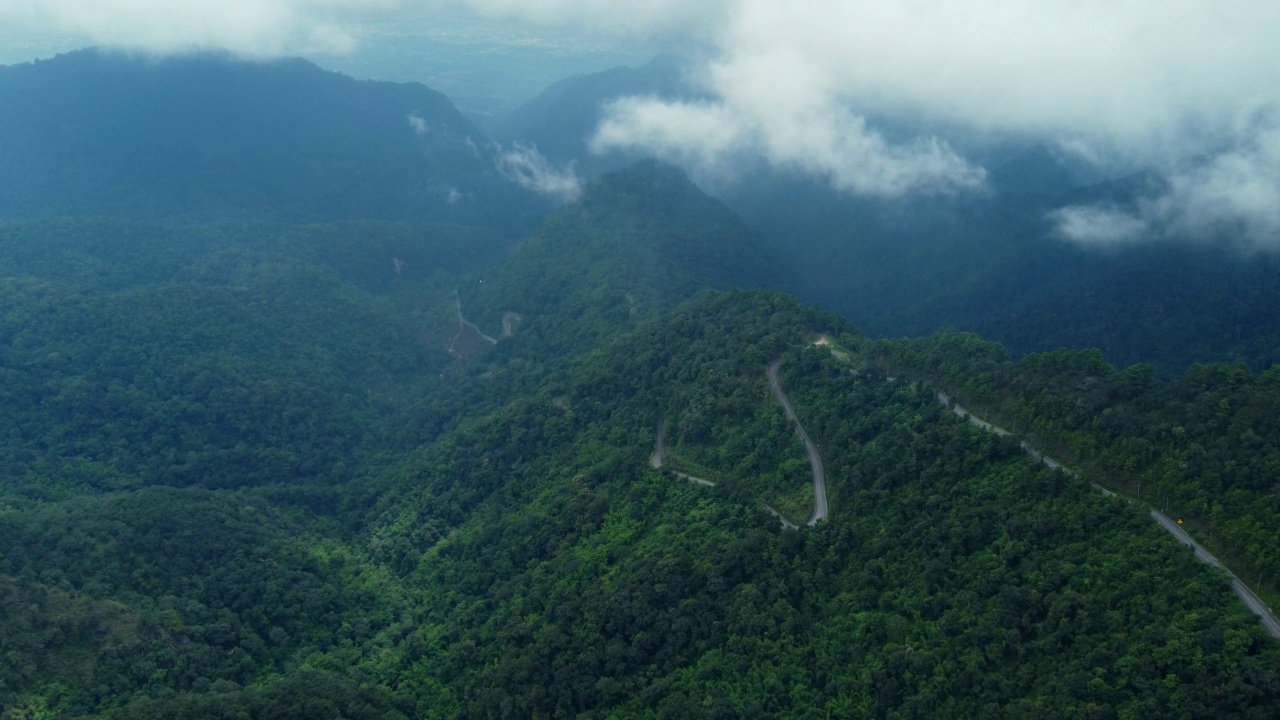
[
  {"x": 205, "y": 137},
  {"x": 561, "y": 120},
  {"x": 988, "y": 261}
]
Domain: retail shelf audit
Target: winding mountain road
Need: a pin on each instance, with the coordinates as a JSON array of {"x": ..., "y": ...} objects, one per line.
[
  {"x": 509, "y": 322},
  {"x": 655, "y": 462},
  {"x": 782, "y": 518},
  {"x": 464, "y": 323},
  {"x": 1247, "y": 596},
  {"x": 815, "y": 460},
  {"x": 1028, "y": 449}
]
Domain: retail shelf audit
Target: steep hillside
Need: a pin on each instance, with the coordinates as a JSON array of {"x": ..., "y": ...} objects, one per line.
[
  {"x": 1203, "y": 447},
  {"x": 953, "y": 577},
  {"x": 638, "y": 242}
]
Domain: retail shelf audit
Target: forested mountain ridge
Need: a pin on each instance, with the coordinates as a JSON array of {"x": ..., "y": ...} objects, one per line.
[
  {"x": 207, "y": 138},
  {"x": 179, "y": 327},
  {"x": 200, "y": 356},
  {"x": 338, "y": 519},
  {"x": 637, "y": 243},
  {"x": 1202, "y": 447}
]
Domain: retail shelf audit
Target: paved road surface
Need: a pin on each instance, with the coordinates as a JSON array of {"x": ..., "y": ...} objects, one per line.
[
  {"x": 509, "y": 322},
  {"x": 463, "y": 322},
  {"x": 1053, "y": 464},
  {"x": 782, "y": 518},
  {"x": 655, "y": 461},
  {"x": 815, "y": 460},
  {"x": 1247, "y": 596},
  {"x": 1250, "y": 599}
]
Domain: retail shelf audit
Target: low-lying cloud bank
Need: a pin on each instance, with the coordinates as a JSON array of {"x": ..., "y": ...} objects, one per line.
[
  {"x": 527, "y": 167},
  {"x": 1233, "y": 195},
  {"x": 1183, "y": 87},
  {"x": 272, "y": 28},
  {"x": 1179, "y": 88},
  {"x": 831, "y": 142}
]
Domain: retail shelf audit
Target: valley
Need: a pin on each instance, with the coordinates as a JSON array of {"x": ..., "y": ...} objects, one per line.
[{"x": 260, "y": 459}]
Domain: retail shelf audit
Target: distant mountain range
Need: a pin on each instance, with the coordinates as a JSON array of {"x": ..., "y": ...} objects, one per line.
[
  {"x": 989, "y": 262},
  {"x": 207, "y": 138}
]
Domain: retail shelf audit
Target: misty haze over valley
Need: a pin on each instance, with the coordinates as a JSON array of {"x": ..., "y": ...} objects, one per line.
[{"x": 492, "y": 358}]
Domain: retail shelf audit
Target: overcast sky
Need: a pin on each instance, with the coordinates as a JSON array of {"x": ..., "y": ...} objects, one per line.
[{"x": 1188, "y": 87}]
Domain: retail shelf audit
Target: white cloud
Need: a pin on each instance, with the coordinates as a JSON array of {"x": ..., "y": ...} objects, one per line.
[
  {"x": 1159, "y": 84},
  {"x": 699, "y": 134},
  {"x": 419, "y": 125},
  {"x": 829, "y": 142},
  {"x": 653, "y": 17},
  {"x": 528, "y": 168},
  {"x": 1135, "y": 70},
  {"x": 252, "y": 28},
  {"x": 1232, "y": 195},
  {"x": 271, "y": 28},
  {"x": 1098, "y": 225},
  {"x": 1236, "y": 192},
  {"x": 1127, "y": 70},
  {"x": 1174, "y": 85}
]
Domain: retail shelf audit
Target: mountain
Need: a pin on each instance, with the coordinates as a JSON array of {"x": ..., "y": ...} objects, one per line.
[
  {"x": 244, "y": 477},
  {"x": 207, "y": 138},
  {"x": 953, "y": 574},
  {"x": 560, "y": 121},
  {"x": 637, "y": 243},
  {"x": 994, "y": 265},
  {"x": 988, "y": 262}
]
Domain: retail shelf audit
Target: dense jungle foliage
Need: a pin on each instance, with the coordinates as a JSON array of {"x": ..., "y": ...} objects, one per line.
[
  {"x": 637, "y": 243},
  {"x": 1204, "y": 447},
  {"x": 244, "y": 479},
  {"x": 307, "y": 435}
]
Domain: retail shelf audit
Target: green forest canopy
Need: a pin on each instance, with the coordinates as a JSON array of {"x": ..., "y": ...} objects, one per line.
[{"x": 245, "y": 480}]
